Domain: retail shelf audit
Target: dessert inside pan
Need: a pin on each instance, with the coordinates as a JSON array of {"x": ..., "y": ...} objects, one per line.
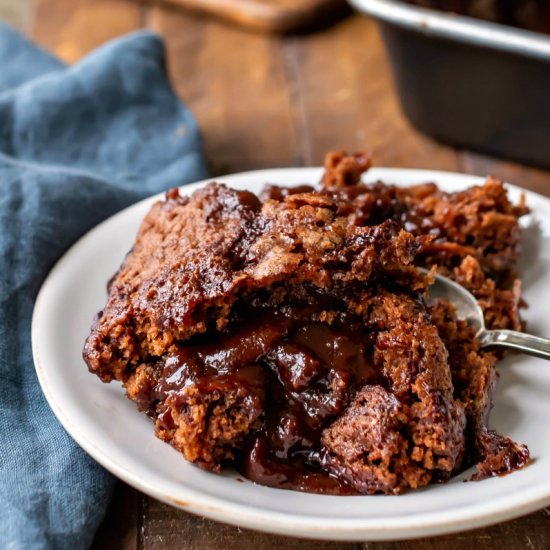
[
  {"x": 288, "y": 334},
  {"x": 533, "y": 15}
]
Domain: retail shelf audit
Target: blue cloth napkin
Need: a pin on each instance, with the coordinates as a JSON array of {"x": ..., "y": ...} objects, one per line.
[{"x": 76, "y": 145}]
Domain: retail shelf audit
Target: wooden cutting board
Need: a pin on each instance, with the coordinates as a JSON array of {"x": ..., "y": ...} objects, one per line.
[{"x": 266, "y": 15}]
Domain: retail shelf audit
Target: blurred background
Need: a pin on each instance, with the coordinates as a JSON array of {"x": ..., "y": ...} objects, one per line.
[
  {"x": 277, "y": 83},
  {"x": 271, "y": 82}
]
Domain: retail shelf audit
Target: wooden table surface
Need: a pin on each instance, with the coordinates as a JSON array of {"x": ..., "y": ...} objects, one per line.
[{"x": 268, "y": 101}]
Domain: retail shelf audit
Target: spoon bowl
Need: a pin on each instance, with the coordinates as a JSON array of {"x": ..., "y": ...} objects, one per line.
[{"x": 468, "y": 309}]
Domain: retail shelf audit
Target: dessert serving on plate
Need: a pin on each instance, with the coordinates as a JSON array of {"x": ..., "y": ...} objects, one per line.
[{"x": 289, "y": 334}]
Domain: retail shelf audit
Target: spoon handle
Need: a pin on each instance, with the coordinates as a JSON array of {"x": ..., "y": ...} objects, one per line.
[{"x": 526, "y": 343}]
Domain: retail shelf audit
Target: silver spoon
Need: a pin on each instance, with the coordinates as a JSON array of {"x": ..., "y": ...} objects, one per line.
[{"x": 468, "y": 309}]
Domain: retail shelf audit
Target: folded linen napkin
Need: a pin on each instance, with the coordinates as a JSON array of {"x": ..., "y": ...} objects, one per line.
[{"x": 76, "y": 145}]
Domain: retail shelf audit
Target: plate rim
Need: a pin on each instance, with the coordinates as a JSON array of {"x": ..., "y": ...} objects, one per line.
[{"x": 272, "y": 521}]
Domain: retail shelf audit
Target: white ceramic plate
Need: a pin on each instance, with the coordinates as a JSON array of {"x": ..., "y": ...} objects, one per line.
[{"x": 108, "y": 426}]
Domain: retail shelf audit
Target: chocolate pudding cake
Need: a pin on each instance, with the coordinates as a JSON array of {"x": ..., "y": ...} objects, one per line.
[{"x": 289, "y": 335}]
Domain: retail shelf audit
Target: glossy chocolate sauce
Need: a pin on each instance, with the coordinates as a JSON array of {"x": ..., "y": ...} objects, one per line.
[{"x": 305, "y": 372}]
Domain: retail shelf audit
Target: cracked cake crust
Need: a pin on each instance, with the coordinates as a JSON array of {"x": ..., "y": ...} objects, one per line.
[{"x": 289, "y": 334}]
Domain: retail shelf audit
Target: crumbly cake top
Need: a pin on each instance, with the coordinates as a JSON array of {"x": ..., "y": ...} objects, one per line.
[
  {"x": 194, "y": 256},
  {"x": 289, "y": 333}
]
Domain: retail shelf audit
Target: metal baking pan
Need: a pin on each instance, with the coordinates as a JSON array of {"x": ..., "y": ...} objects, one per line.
[{"x": 467, "y": 82}]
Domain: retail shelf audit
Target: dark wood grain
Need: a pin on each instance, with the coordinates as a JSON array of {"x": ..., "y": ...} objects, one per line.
[
  {"x": 235, "y": 84},
  {"x": 165, "y": 527},
  {"x": 344, "y": 99},
  {"x": 266, "y": 101},
  {"x": 72, "y": 28},
  {"x": 121, "y": 528}
]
